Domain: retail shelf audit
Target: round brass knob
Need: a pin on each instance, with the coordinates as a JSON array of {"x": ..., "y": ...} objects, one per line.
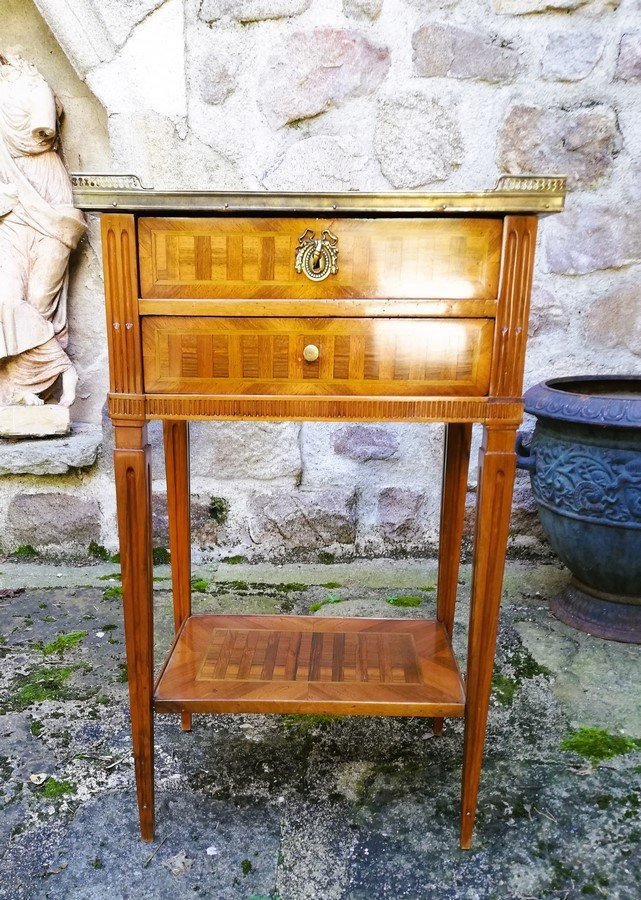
[{"x": 311, "y": 353}]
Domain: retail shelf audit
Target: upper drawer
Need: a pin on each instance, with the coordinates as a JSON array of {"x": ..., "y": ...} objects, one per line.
[{"x": 255, "y": 258}]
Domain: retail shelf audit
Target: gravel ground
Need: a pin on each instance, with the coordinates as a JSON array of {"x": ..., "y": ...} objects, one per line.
[{"x": 300, "y": 807}]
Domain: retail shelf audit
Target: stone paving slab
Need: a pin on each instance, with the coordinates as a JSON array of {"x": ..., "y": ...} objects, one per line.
[{"x": 307, "y": 807}]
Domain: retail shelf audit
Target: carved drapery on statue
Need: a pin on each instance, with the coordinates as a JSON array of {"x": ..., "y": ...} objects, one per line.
[{"x": 39, "y": 227}]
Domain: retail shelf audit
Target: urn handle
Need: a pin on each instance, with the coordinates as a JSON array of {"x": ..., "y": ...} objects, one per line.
[{"x": 525, "y": 458}]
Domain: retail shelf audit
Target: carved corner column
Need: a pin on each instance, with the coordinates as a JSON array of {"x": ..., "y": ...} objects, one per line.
[
  {"x": 132, "y": 466},
  {"x": 497, "y": 469}
]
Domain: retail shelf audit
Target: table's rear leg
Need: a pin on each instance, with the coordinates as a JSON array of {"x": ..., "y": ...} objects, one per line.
[
  {"x": 456, "y": 459},
  {"x": 176, "y": 440},
  {"x": 497, "y": 466},
  {"x": 132, "y": 464}
]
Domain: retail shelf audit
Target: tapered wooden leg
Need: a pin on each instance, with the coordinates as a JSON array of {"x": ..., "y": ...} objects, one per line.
[
  {"x": 456, "y": 459},
  {"x": 176, "y": 440},
  {"x": 132, "y": 464},
  {"x": 497, "y": 466}
]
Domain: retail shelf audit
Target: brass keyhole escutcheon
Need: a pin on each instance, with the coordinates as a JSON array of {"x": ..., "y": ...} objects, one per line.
[
  {"x": 317, "y": 257},
  {"x": 311, "y": 353}
]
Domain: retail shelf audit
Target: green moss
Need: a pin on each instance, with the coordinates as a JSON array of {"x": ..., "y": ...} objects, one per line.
[
  {"x": 331, "y": 584},
  {"x": 64, "y": 642},
  {"x": 596, "y": 744},
  {"x": 234, "y": 560},
  {"x": 112, "y": 593},
  {"x": 237, "y": 585},
  {"x": 427, "y": 588},
  {"x": 161, "y": 556},
  {"x": 97, "y": 863},
  {"x": 36, "y": 727},
  {"x": 122, "y": 676},
  {"x": 115, "y": 576},
  {"x": 46, "y": 683},
  {"x": 218, "y": 510},
  {"x": 199, "y": 584},
  {"x": 25, "y": 551},
  {"x": 331, "y": 598},
  {"x": 404, "y": 601},
  {"x": 54, "y": 789},
  {"x": 48, "y": 618},
  {"x": 503, "y": 689},
  {"x": 326, "y": 558},
  {"x": 246, "y": 866},
  {"x": 98, "y": 551},
  {"x": 290, "y": 586}
]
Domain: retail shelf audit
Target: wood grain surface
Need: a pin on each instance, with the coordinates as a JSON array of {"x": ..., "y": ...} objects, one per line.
[
  {"x": 311, "y": 664},
  {"x": 254, "y": 258},
  {"x": 365, "y": 357}
]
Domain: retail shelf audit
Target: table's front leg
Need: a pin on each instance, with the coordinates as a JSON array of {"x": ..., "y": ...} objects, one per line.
[
  {"x": 176, "y": 441},
  {"x": 132, "y": 464},
  {"x": 497, "y": 467}
]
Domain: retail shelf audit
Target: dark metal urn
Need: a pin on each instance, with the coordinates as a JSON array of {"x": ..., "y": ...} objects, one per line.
[{"x": 585, "y": 465}]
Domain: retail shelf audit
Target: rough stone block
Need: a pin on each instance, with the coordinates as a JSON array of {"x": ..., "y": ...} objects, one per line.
[
  {"x": 52, "y": 456},
  {"x": 524, "y": 7},
  {"x": 613, "y": 320},
  {"x": 629, "y": 59},
  {"x": 417, "y": 139},
  {"x": 363, "y": 9},
  {"x": 34, "y": 421},
  {"x": 216, "y": 79},
  {"x": 547, "y": 313},
  {"x": 309, "y": 71},
  {"x": 365, "y": 442},
  {"x": 245, "y": 450},
  {"x": 449, "y": 50},
  {"x": 52, "y": 520},
  {"x": 580, "y": 142},
  {"x": 287, "y": 520},
  {"x": 589, "y": 237},
  {"x": 571, "y": 55},
  {"x": 323, "y": 163},
  {"x": 398, "y": 514},
  {"x": 251, "y": 10}
]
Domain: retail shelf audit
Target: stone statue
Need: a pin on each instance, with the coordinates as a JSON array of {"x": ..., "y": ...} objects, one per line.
[{"x": 39, "y": 228}]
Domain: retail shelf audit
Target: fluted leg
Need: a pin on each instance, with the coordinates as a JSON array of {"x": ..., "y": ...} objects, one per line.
[
  {"x": 497, "y": 466},
  {"x": 132, "y": 464}
]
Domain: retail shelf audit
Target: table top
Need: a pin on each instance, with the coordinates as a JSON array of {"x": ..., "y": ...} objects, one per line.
[{"x": 512, "y": 194}]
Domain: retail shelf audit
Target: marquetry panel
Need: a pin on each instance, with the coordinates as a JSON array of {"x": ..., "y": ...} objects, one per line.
[
  {"x": 356, "y": 356},
  {"x": 259, "y": 655},
  {"x": 309, "y": 663},
  {"x": 253, "y": 258}
]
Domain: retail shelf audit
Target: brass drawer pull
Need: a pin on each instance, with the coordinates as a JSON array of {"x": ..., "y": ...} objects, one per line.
[
  {"x": 317, "y": 258},
  {"x": 311, "y": 353}
]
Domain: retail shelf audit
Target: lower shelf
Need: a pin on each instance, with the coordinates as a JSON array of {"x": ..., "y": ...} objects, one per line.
[{"x": 311, "y": 664}]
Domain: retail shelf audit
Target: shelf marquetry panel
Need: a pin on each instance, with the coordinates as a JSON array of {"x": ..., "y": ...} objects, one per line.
[{"x": 311, "y": 664}]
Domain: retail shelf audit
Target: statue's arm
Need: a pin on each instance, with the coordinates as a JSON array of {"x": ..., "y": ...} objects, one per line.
[{"x": 8, "y": 198}]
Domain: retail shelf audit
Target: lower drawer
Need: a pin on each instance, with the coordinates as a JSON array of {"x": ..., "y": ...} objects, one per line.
[{"x": 312, "y": 356}]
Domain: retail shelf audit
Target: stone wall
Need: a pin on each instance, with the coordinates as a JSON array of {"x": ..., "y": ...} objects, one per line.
[{"x": 351, "y": 95}]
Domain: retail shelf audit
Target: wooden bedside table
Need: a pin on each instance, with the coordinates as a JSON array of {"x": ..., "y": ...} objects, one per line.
[{"x": 388, "y": 307}]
